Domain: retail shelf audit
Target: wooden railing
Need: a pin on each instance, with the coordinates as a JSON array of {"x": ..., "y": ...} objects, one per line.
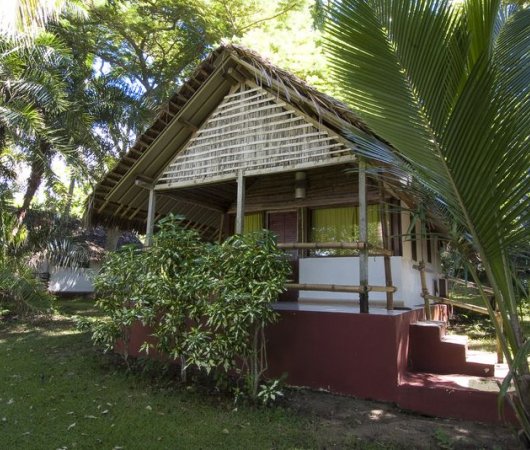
[{"x": 373, "y": 251}]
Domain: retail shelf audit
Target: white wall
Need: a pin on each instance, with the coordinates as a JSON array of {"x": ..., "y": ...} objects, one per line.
[
  {"x": 345, "y": 271},
  {"x": 68, "y": 280}
]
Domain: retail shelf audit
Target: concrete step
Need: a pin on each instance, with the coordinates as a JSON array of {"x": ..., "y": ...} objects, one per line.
[
  {"x": 432, "y": 351},
  {"x": 459, "y": 396}
]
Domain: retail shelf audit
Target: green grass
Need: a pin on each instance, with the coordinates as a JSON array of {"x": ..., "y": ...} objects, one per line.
[
  {"x": 57, "y": 391},
  {"x": 478, "y": 327}
]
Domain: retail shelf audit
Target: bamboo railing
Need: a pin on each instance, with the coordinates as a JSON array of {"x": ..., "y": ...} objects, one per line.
[
  {"x": 372, "y": 250},
  {"x": 358, "y": 289}
]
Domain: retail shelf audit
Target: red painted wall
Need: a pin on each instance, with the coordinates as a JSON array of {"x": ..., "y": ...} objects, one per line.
[
  {"x": 355, "y": 354},
  {"x": 360, "y": 355}
]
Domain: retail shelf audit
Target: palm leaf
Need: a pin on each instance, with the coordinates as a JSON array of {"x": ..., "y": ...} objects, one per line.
[{"x": 448, "y": 88}]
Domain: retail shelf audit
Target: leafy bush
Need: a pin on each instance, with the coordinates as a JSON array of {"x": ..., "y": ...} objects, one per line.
[
  {"x": 20, "y": 292},
  {"x": 207, "y": 304}
]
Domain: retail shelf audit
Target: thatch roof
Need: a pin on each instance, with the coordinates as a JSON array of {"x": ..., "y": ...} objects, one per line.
[{"x": 117, "y": 200}]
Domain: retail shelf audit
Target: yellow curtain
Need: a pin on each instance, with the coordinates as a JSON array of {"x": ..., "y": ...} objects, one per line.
[
  {"x": 253, "y": 222},
  {"x": 333, "y": 224},
  {"x": 342, "y": 225},
  {"x": 375, "y": 230}
]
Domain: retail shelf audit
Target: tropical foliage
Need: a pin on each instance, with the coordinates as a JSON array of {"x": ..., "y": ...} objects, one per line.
[
  {"x": 20, "y": 292},
  {"x": 447, "y": 85},
  {"x": 207, "y": 304}
]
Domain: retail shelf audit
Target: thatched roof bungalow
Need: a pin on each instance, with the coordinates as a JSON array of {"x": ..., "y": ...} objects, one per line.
[{"x": 245, "y": 145}]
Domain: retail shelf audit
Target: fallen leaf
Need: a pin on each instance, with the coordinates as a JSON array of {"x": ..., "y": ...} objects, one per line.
[{"x": 72, "y": 425}]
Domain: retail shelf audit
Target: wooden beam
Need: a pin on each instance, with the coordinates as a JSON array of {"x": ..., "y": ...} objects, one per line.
[
  {"x": 469, "y": 306},
  {"x": 363, "y": 237},
  {"x": 240, "y": 208},
  {"x": 338, "y": 288}
]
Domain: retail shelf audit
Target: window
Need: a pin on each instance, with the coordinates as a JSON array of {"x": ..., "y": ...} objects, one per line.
[
  {"x": 253, "y": 222},
  {"x": 342, "y": 225},
  {"x": 395, "y": 227}
]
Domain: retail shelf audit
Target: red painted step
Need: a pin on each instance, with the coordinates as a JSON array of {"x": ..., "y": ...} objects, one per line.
[
  {"x": 432, "y": 351},
  {"x": 457, "y": 396}
]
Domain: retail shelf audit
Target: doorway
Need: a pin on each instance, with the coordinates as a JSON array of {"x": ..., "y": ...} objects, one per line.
[{"x": 285, "y": 226}]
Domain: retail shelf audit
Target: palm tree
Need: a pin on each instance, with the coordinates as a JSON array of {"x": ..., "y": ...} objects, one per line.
[
  {"x": 23, "y": 19},
  {"x": 447, "y": 84},
  {"x": 40, "y": 118}
]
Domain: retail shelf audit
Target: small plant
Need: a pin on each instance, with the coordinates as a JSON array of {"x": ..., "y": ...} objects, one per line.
[
  {"x": 443, "y": 440},
  {"x": 270, "y": 392}
]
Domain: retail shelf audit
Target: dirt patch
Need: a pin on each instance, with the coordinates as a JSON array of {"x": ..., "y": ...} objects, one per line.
[{"x": 343, "y": 418}]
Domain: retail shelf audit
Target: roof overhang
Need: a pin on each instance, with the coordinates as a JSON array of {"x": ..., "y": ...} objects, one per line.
[{"x": 121, "y": 201}]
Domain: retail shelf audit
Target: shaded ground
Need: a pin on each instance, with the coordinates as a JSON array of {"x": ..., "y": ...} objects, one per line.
[
  {"x": 57, "y": 391},
  {"x": 383, "y": 423}
]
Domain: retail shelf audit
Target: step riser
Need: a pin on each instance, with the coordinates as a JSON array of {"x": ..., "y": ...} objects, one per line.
[{"x": 428, "y": 352}]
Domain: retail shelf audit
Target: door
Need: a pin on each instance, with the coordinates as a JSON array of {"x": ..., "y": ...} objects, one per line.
[{"x": 285, "y": 226}]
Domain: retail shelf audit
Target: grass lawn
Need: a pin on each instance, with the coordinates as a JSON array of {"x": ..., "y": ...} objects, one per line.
[
  {"x": 478, "y": 327},
  {"x": 58, "y": 392}
]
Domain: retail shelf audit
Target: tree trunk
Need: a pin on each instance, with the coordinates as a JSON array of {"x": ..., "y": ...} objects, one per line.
[
  {"x": 69, "y": 198},
  {"x": 38, "y": 166}
]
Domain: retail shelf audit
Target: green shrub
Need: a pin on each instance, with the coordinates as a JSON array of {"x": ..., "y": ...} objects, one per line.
[{"x": 208, "y": 304}]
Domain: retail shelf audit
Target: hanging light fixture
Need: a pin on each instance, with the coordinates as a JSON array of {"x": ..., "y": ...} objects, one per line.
[{"x": 300, "y": 185}]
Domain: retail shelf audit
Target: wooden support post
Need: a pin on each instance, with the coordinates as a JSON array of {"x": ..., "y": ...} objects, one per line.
[
  {"x": 150, "y": 217},
  {"x": 363, "y": 237},
  {"x": 385, "y": 218},
  {"x": 424, "y": 290},
  {"x": 240, "y": 207}
]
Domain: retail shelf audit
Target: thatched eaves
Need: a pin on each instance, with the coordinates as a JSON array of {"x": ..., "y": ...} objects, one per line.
[{"x": 118, "y": 200}]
